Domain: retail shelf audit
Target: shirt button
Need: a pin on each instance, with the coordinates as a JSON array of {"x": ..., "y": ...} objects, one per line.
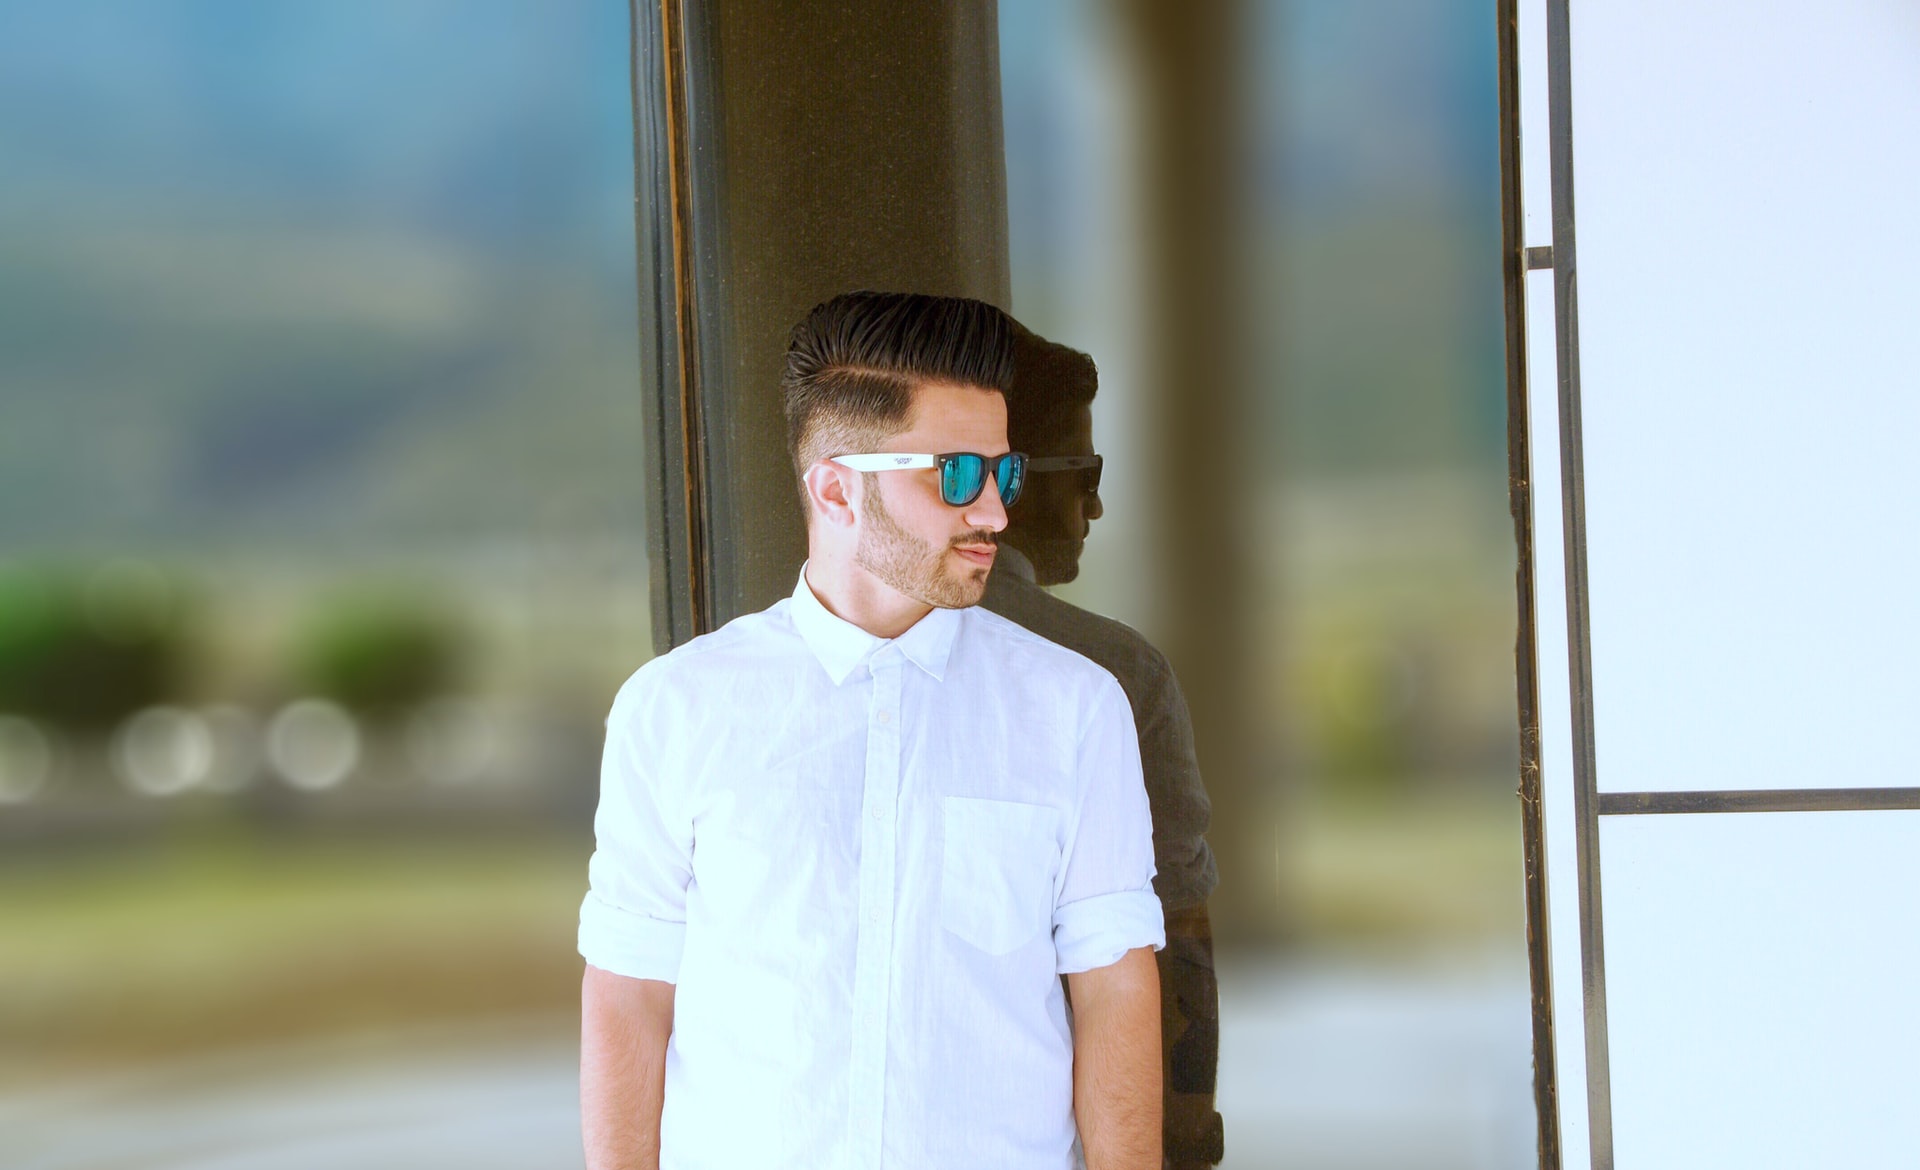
[
  {"x": 886, "y": 717},
  {"x": 879, "y": 814}
]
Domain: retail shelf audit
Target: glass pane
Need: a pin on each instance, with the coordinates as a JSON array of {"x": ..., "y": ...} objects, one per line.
[
  {"x": 323, "y": 549},
  {"x": 1375, "y": 1011}
]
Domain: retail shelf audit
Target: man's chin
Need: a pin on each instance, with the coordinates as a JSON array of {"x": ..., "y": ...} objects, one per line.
[
  {"x": 962, "y": 588},
  {"x": 1056, "y": 562}
]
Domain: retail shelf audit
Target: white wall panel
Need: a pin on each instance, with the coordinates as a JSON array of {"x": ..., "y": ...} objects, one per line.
[
  {"x": 1746, "y": 178},
  {"x": 1761, "y": 989}
]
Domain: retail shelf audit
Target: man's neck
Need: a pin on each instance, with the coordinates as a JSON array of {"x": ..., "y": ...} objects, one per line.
[{"x": 859, "y": 598}]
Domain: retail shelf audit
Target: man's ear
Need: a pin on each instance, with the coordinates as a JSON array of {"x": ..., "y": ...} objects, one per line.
[{"x": 830, "y": 492}]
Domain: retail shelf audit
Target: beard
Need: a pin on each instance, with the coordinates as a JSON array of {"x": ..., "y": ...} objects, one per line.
[{"x": 913, "y": 567}]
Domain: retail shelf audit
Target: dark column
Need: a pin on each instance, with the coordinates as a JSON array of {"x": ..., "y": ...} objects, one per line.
[
  {"x": 830, "y": 147},
  {"x": 1187, "y": 60}
]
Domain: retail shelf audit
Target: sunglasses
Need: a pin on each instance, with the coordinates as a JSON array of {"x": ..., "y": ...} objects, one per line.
[
  {"x": 963, "y": 474},
  {"x": 1087, "y": 465}
]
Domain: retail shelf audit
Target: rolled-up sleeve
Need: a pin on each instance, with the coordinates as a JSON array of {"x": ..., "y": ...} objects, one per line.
[
  {"x": 633, "y": 921},
  {"x": 1105, "y": 905}
]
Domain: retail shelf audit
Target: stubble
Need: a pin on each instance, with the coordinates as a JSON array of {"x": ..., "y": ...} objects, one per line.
[{"x": 914, "y": 567}]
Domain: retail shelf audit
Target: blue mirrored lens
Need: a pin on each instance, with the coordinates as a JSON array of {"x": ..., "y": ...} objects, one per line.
[
  {"x": 962, "y": 478},
  {"x": 1012, "y": 476}
]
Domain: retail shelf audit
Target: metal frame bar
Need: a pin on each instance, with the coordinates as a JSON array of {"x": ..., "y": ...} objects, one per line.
[
  {"x": 1516, "y": 259},
  {"x": 1622, "y": 804},
  {"x": 1579, "y": 636}
]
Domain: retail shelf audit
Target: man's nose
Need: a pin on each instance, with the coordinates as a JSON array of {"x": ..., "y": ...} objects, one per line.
[
  {"x": 987, "y": 511},
  {"x": 1095, "y": 509}
]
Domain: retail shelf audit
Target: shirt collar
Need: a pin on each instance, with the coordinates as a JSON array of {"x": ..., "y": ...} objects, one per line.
[{"x": 840, "y": 645}]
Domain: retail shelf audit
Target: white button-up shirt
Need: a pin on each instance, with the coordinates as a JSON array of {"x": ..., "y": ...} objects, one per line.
[{"x": 865, "y": 863}]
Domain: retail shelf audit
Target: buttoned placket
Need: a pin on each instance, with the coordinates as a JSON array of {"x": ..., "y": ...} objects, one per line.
[{"x": 873, "y": 955}]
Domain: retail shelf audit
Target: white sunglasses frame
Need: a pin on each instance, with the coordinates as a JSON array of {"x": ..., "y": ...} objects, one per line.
[
  {"x": 915, "y": 460},
  {"x": 885, "y": 461}
]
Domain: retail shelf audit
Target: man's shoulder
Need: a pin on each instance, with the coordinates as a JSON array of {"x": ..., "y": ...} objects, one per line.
[
  {"x": 1004, "y": 638},
  {"x": 1120, "y": 649},
  {"x": 747, "y": 642}
]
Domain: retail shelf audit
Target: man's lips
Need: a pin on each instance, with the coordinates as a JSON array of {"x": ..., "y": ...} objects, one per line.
[{"x": 979, "y": 554}]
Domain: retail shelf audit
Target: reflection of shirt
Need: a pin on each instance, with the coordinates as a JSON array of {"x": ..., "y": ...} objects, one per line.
[
  {"x": 1178, "y": 799},
  {"x": 865, "y": 863}
]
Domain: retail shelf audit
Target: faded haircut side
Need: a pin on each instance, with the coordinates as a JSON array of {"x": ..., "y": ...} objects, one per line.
[{"x": 854, "y": 361}]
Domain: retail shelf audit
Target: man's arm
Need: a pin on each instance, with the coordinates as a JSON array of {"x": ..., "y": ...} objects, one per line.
[
  {"x": 624, "y": 1025},
  {"x": 1190, "y": 1007},
  {"x": 1116, "y": 1062},
  {"x": 1190, "y": 1032}
]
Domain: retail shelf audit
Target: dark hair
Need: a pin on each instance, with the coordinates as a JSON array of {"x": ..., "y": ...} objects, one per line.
[
  {"x": 853, "y": 364},
  {"x": 1050, "y": 382}
]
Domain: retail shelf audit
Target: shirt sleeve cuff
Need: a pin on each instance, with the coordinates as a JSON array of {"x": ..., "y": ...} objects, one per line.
[
  {"x": 1095, "y": 932},
  {"x": 630, "y": 944}
]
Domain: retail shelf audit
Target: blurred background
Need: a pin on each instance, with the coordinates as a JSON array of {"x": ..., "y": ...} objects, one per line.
[{"x": 322, "y": 554}]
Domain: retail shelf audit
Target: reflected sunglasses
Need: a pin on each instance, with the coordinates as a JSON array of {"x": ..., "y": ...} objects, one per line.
[
  {"x": 963, "y": 474},
  {"x": 1087, "y": 465}
]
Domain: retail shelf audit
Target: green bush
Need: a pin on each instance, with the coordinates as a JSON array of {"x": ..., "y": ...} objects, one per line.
[
  {"x": 379, "y": 652},
  {"x": 86, "y": 648}
]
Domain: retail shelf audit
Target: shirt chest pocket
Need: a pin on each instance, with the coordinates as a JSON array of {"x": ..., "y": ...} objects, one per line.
[{"x": 996, "y": 880}]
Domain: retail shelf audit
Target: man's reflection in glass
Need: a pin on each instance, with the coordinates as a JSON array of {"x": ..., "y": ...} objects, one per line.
[{"x": 1050, "y": 416}]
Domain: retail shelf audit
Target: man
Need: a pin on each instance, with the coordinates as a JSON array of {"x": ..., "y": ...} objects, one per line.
[
  {"x": 1050, "y": 416},
  {"x": 848, "y": 845}
]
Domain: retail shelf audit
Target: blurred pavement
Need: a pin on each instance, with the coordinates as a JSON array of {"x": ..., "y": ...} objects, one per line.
[
  {"x": 1324, "y": 1066},
  {"x": 1346, "y": 1065},
  {"x": 503, "y": 1098}
]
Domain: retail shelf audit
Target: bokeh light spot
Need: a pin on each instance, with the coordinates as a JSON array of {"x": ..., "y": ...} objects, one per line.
[
  {"x": 313, "y": 744},
  {"x": 163, "y": 751}
]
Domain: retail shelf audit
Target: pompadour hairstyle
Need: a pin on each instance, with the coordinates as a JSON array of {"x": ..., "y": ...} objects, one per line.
[
  {"x": 1050, "y": 382},
  {"x": 854, "y": 361}
]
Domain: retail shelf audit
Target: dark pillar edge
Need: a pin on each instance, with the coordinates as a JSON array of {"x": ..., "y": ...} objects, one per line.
[
  {"x": 678, "y": 523},
  {"x": 1514, "y": 265},
  {"x": 659, "y": 358}
]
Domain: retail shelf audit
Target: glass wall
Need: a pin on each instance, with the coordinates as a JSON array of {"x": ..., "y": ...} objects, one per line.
[
  {"x": 324, "y": 556},
  {"x": 1381, "y": 1017},
  {"x": 322, "y": 553}
]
